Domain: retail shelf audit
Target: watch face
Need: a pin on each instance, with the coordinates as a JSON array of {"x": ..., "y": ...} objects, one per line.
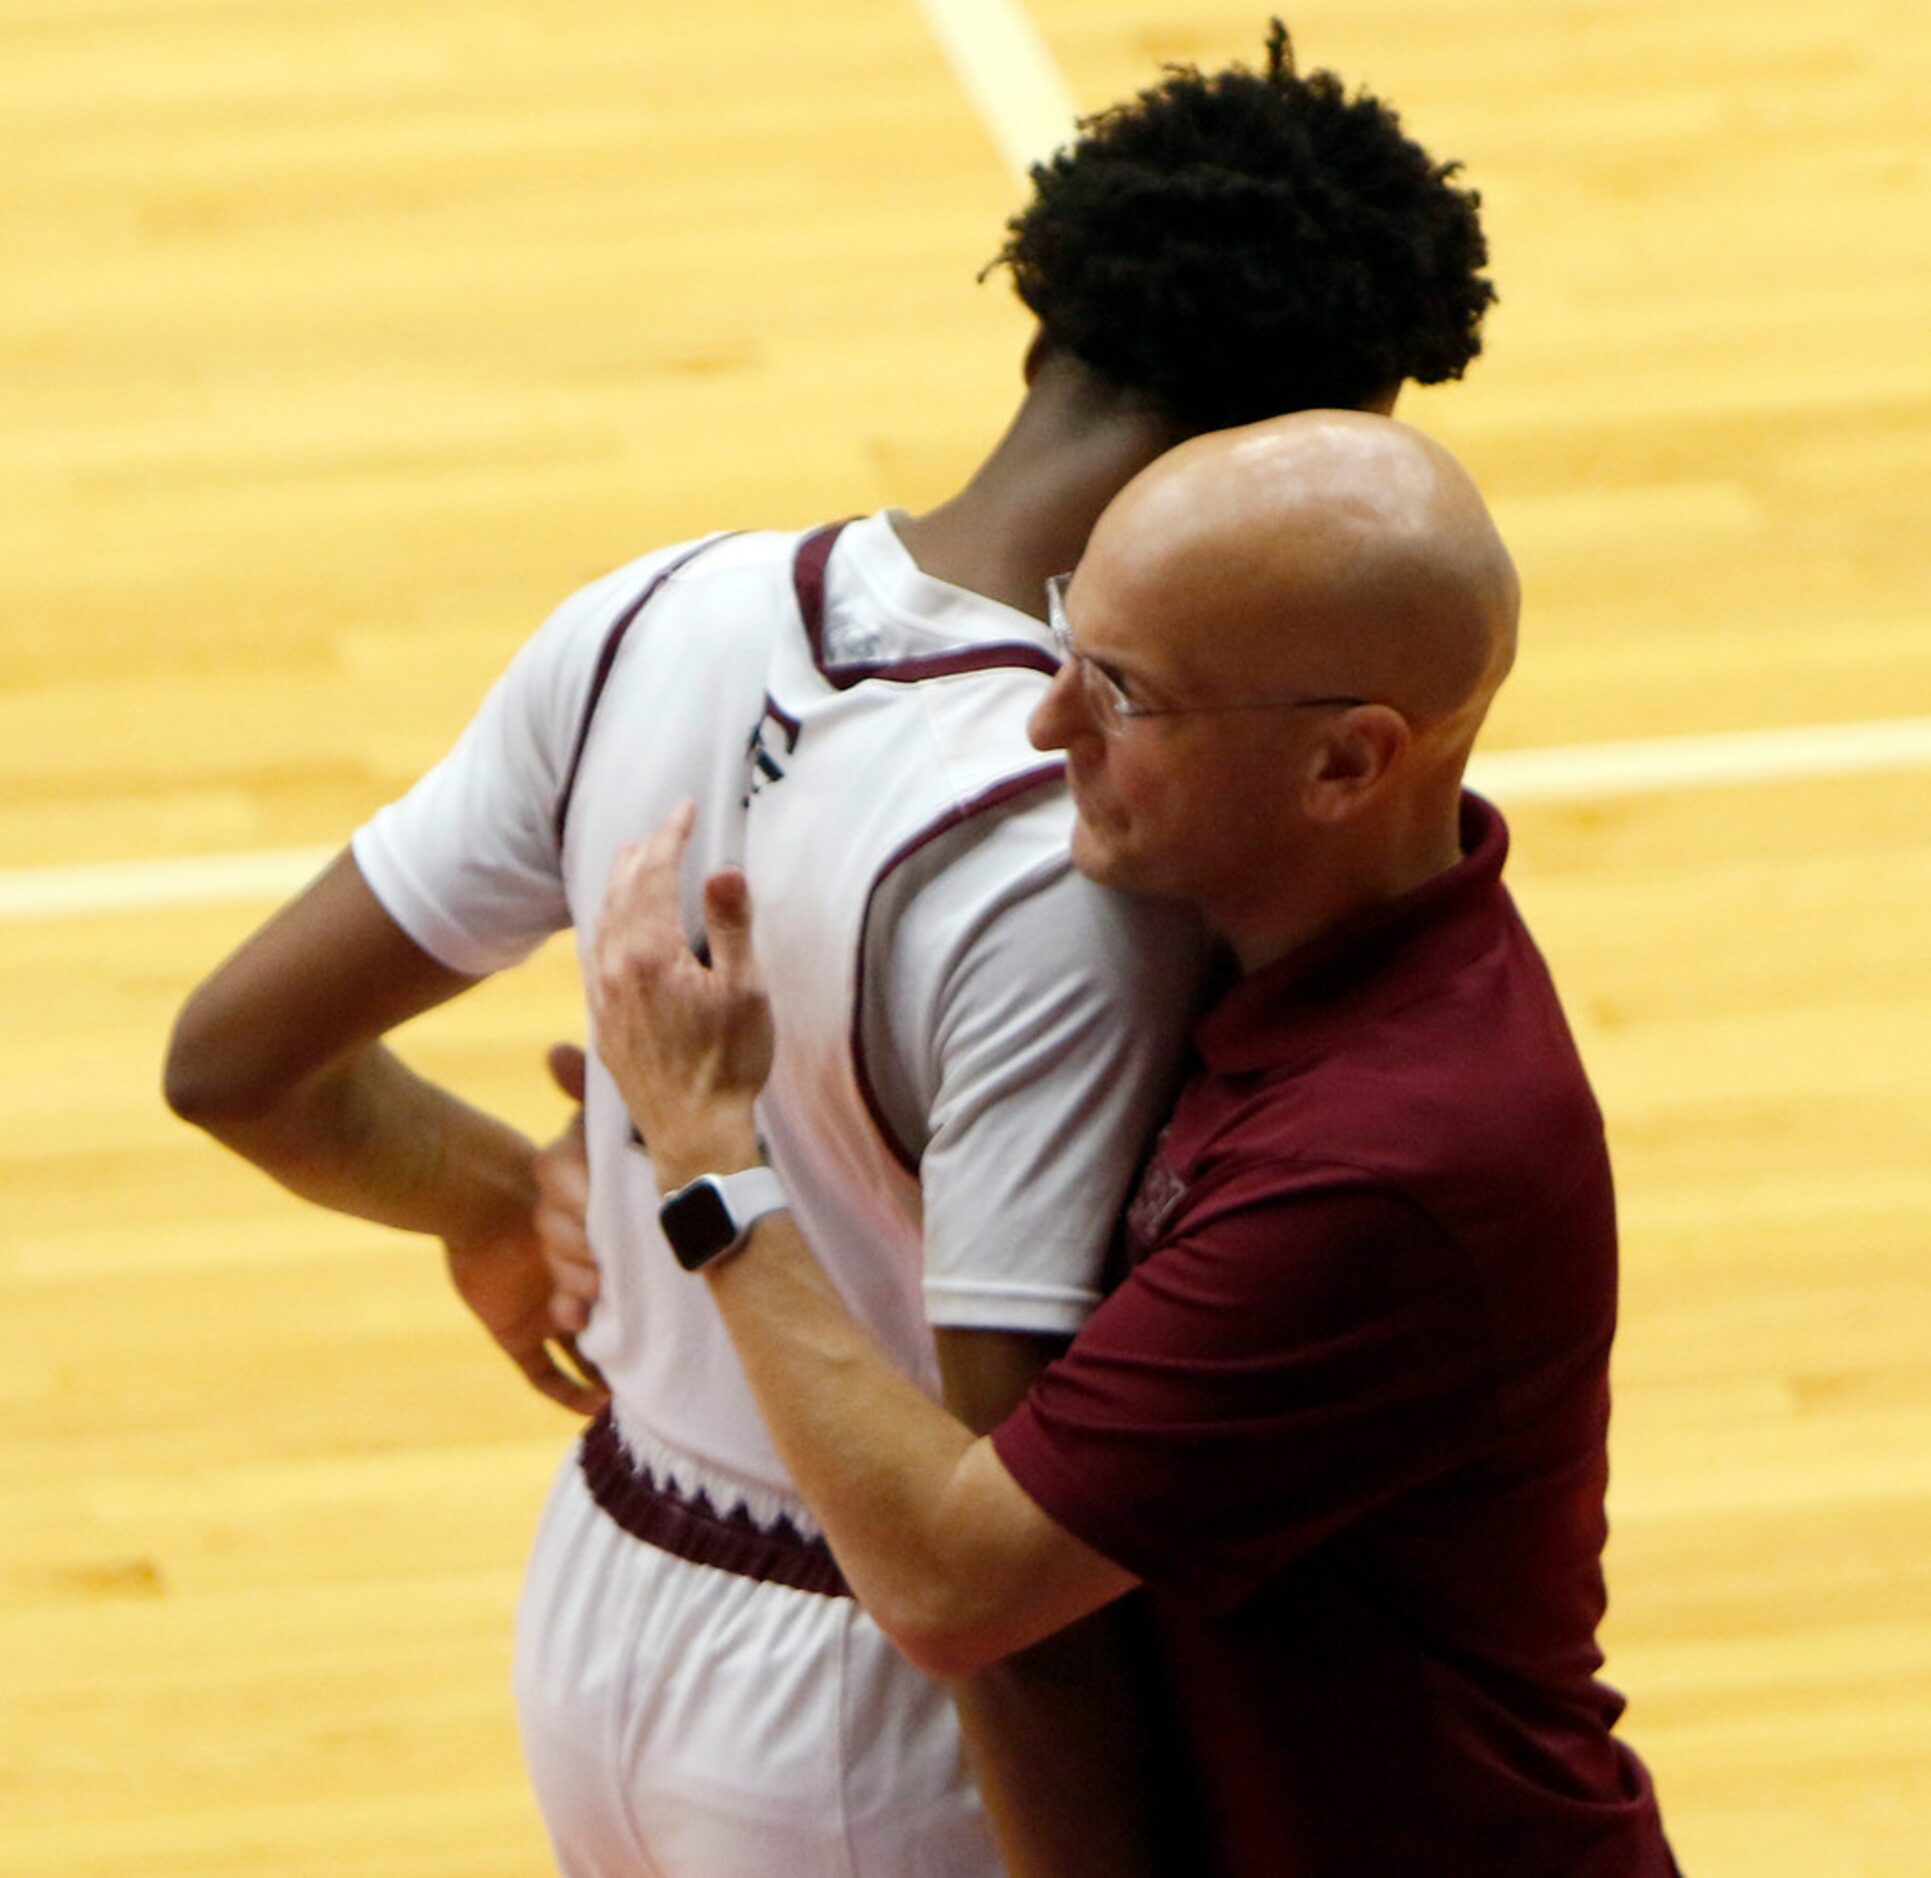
[{"x": 698, "y": 1224}]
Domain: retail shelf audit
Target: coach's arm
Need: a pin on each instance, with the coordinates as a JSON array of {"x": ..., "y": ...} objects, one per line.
[
  {"x": 949, "y": 1554},
  {"x": 958, "y": 1566},
  {"x": 945, "y": 1549}
]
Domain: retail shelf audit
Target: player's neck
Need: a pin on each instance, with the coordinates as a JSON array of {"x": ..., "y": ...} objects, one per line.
[{"x": 1029, "y": 508}]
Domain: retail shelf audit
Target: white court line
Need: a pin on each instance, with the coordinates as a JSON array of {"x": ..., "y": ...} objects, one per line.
[
  {"x": 1575, "y": 772},
  {"x": 1583, "y": 770},
  {"x": 141, "y": 886},
  {"x": 1003, "y": 65},
  {"x": 998, "y": 57}
]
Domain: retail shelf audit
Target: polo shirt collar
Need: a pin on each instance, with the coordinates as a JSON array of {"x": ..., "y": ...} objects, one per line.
[{"x": 1287, "y": 1010}]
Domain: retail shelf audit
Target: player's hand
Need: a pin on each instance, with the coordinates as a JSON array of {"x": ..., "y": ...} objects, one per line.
[
  {"x": 511, "y": 1279},
  {"x": 503, "y": 1279},
  {"x": 563, "y": 1205},
  {"x": 689, "y": 1045}
]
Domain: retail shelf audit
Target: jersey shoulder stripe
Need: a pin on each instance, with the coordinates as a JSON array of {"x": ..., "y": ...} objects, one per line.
[{"x": 607, "y": 659}]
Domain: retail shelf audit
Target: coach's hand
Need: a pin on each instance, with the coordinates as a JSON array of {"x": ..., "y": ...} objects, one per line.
[{"x": 688, "y": 1044}]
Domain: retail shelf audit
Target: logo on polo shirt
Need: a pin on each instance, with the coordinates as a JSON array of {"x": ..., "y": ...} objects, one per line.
[{"x": 1160, "y": 1192}]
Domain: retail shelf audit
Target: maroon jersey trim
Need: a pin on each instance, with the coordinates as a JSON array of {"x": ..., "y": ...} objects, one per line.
[
  {"x": 808, "y": 577},
  {"x": 692, "y": 1528},
  {"x": 606, "y": 661},
  {"x": 953, "y": 818}
]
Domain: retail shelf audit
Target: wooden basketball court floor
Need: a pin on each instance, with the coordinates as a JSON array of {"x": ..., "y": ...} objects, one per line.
[{"x": 341, "y": 340}]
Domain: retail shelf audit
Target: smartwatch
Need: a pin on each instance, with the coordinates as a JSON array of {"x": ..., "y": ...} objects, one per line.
[{"x": 715, "y": 1213}]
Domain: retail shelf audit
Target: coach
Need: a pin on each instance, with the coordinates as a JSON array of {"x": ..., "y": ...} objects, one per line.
[{"x": 1346, "y": 1415}]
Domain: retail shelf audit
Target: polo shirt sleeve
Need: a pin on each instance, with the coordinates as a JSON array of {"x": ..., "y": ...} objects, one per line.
[{"x": 1256, "y": 1386}]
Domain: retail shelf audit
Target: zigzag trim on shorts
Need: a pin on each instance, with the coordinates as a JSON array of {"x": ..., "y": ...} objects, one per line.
[{"x": 692, "y": 1528}]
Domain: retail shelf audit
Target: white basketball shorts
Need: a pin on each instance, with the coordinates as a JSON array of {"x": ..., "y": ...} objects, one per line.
[{"x": 685, "y": 1721}]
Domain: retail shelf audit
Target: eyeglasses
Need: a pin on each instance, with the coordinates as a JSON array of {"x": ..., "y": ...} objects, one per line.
[{"x": 1108, "y": 701}]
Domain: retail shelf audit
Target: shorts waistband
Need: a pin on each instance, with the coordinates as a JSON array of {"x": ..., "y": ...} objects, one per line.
[{"x": 693, "y": 1528}]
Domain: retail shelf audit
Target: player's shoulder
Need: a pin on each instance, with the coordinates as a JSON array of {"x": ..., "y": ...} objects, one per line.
[
  {"x": 1014, "y": 888},
  {"x": 1028, "y": 845},
  {"x": 699, "y": 558},
  {"x": 664, "y": 580}
]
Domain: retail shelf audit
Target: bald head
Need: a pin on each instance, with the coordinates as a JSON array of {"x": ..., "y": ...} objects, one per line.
[
  {"x": 1329, "y": 552},
  {"x": 1284, "y": 638}
]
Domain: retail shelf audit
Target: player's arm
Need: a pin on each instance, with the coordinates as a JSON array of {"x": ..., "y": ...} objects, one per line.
[
  {"x": 1032, "y": 1075},
  {"x": 1055, "y": 1730},
  {"x": 278, "y": 1055}
]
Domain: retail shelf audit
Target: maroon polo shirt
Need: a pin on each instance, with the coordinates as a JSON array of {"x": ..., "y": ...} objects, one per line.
[{"x": 1346, "y": 1416}]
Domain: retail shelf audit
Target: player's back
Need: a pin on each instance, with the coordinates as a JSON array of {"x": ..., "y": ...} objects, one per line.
[{"x": 854, "y": 734}]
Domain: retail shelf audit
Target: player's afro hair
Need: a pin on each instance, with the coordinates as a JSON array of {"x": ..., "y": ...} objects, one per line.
[{"x": 1241, "y": 244}]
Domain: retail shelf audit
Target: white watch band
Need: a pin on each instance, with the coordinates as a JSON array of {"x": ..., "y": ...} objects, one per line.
[{"x": 751, "y": 1193}]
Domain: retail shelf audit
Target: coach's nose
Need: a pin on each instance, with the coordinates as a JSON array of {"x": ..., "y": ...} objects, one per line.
[{"x": 1062, "y": 716}]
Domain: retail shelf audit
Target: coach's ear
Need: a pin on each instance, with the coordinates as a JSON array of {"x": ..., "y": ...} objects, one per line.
[{"x": 1351, "y": 759}]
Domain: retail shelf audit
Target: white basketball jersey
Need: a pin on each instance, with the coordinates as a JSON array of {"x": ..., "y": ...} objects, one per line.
[{"x": 854, "y": 735}]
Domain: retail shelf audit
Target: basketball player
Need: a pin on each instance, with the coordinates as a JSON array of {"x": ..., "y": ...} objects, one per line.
[{"x": 976, "y": 1040}]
